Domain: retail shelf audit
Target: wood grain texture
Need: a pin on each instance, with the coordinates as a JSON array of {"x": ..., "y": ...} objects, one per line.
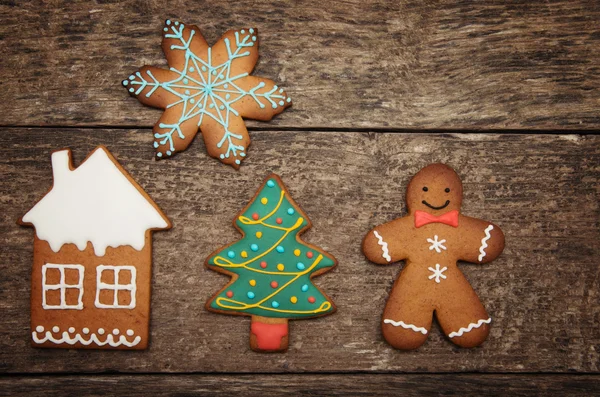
[
  {"x": 306, "y": 385},
  {"x": 543, "y": 291},
  {"x": 443, "y": 64}
]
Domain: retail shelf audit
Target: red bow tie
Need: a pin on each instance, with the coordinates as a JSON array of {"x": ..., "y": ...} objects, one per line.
[{"x": 422, "y": 218}]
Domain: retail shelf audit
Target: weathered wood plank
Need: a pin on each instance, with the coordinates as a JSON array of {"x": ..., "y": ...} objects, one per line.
[
  {"x": 543, "y": 292},
  {"x": 308, "y": 384},
  {"x": 453, "y": 64}
]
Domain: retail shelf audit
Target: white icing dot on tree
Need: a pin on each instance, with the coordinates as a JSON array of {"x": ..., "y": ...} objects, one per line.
[
  {"x": 130, "y": 332},
  {"x": 115, "y": 331},
  {"x": 39, "y": 328},
  {"x": 100, "y": 331},
  {"x": 71, "y": 330},
  {"x": 86, "y": 330},
  {"x": 55, "y": 329}
]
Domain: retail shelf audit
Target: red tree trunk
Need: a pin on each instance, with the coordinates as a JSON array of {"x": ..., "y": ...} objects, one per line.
[{"x": 269, "y": 334}]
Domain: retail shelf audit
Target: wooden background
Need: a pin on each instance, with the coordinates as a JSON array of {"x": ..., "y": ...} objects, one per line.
[{"x": 506, "y": 92}]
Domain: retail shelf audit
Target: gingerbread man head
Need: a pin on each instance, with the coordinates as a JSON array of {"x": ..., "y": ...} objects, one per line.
[{"x": 435, "y": 189}]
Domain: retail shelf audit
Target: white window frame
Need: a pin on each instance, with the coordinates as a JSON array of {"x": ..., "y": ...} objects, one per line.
[
  {"x": 62, "y": 286},
  {"x": 116, "y": 287}
]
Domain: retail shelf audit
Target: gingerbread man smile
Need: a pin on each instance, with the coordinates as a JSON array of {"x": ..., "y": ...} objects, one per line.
[{"x": 431, "y": 244}]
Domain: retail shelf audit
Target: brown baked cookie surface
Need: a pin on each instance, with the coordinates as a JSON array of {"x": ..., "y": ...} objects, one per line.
[
  {"x": 431, "y": 239},
  {"x": 92, "y": 256},
  {"x": 206, "y": 88}
]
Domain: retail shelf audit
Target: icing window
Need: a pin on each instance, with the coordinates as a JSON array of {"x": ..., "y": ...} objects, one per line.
[
  {"x": 62, "y": 286},
  {"x": 115, "y": 287}
]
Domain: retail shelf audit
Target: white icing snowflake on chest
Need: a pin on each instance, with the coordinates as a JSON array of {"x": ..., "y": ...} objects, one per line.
[
  {"x": 437, "y": 273},
  {"x": 436, "y": 245}
]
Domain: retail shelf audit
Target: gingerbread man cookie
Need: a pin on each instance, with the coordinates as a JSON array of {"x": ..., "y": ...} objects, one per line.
[
  {"x": 431, "y": 239},
  {"x": 206, "y": 88}
]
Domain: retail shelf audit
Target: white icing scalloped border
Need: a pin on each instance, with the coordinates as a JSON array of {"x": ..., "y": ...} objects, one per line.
[{"x": 66, "y": 338}]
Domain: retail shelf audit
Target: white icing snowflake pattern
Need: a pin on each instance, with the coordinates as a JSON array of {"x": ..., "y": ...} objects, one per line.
[
  {"x": 437, "y": 273},
  {"x": 436, "y": 245},
  {"x": 204, "y": 89}
]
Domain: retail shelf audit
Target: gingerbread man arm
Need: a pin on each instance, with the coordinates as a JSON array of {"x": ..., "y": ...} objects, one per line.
[
  {"x": 482, "y": 241},
  {"x": 384, "y": 244}
]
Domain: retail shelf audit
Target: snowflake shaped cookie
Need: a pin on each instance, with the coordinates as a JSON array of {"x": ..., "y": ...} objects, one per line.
[{"x": 206, "y": 88}]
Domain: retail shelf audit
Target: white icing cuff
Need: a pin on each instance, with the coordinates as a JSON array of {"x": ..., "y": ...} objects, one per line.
[
  {"x": 384, "y": 246},
  {"x": 471, "y": 326},
  {"x": 484, "y": 241},
  {"x": 405, "y": 326}
]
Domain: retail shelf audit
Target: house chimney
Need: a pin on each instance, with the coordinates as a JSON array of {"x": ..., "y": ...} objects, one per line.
[{"x": 61, "y": 162}]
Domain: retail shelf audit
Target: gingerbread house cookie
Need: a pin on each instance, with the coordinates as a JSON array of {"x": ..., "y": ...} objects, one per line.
[{"x": 90, "y": 286}]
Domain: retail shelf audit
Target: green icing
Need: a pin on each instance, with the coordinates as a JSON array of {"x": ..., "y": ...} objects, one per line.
[{"x": 263, "y": 298}]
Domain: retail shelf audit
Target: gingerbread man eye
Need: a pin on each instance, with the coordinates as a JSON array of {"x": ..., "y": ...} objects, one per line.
[
  {"x": 447, "y": 190},
  {"x": 425, "y": 188}
]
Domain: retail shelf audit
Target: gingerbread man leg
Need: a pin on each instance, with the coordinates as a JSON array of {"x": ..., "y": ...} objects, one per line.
[
  {"x": 407, "y": 316},
  {"x": 462, "y": 316}
]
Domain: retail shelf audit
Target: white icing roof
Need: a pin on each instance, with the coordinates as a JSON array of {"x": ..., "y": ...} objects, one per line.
[{"x": 95, "y": 202}]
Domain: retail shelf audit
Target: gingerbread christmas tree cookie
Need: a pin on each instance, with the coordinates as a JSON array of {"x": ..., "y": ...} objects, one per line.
[
  {"x": 207, "y": 88},
  {"x": 431, "y": 239},
  {"x": 271, "y": 268}
]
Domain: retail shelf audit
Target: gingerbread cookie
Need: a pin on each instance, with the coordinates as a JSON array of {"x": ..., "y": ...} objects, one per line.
[
  {"x": 92, "y": 254},
  {"x": 271, "y": 268},
  {"x": 431, "y": 239},
  {"x": 207, "y": 88}
]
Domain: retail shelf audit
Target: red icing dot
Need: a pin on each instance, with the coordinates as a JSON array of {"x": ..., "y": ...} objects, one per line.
[
  {"x": 274, "y": 284},
  {"x": 278, "y": 220},
  {"x": 309, "y": 254},
  {"x": 311, "y": 299},
  {"x": 230, "y": 294},
  {"x": 255, "y": 216},
  {"x": 263, "y": 264}
]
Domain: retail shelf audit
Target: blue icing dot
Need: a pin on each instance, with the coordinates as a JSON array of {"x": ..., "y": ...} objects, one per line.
[
  {"x": 281, "y": 103},
  {"x": 254, "y": 247},
  {"x": 275, "y": 304},
  {"x": 270, "y": 183},
  {"x": 191, "y": 69},
  {"x": 185, "y": 81},
  {"x": 289, "y": 100},
  {"x": 227, "y": 96},
  {"x": 166, "y": 29},
  {"x": 125, "y": 82},
  {"x": 251, "y": 30},
  {"x": 159, "y": 154},
  {"x": 222, "y": 156},
  {"x": 176, "y": 23},
  {"x": 131, "y": 77},
  {"x": 237, "y": 162},
  {"x": 300, "y": 266},
  {"x": 305, "y": 288},
  {"x": 187, "y": 92},
  {"x": 243, "y": 154},
  {"x": 192, "y": 100},
  {"x": 168, "y": 152},
  {"x": 168, "y": 22},
  {"x": 280, "y": 249},
  {"x": 250, "y": 294},
  {"x": 231, "y": 254},
  {"x": 222, "y": 107},
  {"x": 243, "y": 31},
  {"x": 155, "y": 145},
  {"x": 291, "y": 211},
  {"x": 204, "y": 70},
  {"x": 274, "y": 106},
  {"x": 212, "y": 105},
  {"x": 131, "y": 90},
  {"x": 253, "y": 38}
]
